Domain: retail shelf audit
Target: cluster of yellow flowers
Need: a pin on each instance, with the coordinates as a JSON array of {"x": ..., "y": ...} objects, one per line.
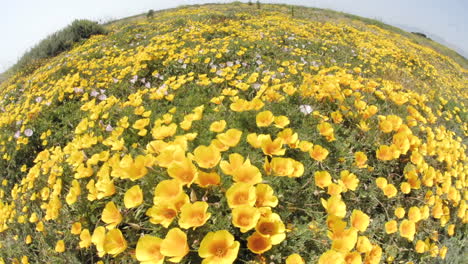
[{"x": 177, "y": 130}]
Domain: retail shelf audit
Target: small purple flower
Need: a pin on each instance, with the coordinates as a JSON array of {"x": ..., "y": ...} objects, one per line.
[
  {"x": 102, "y": 97},
  {"x": 109, "y": 128},
  {"x": 17, "y": 134}
]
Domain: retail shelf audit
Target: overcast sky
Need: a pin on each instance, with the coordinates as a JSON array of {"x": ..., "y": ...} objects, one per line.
[{"x": 23, "y": 23}]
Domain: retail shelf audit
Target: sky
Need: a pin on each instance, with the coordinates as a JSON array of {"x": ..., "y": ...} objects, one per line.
[{"x": 23, "y": 23}]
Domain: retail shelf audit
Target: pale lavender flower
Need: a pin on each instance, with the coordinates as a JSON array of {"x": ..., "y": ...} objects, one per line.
[{"x": 306, "y": 109}]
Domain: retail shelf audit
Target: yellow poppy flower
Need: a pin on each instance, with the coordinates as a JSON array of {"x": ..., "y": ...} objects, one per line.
[
  {"x": 111, "y": 215},
  {"x": 322, "y": 179},
  {"x": 353, "y": 258},
  {"x": 218, "y": 126},
  {"x": 348, "y": 180},
  {"x": 97, "y": 239},
  {"x": 363, "y": 245},
  {"x": 193, "y": 215},
  {"x": 360, "y": 159},
  {"x": 85, "y": 239},
  {"x": 235, "y": 162},
  {"x": 391, "y": 227},
  {"x": 407, "y": 229},
  {"x": 359, "y": 220},
  {"x": 272, "y": 227},
  {"x": 373, "y": 256},
  {"x": 162, "y": 213},
  {"x": 218, "y": 247},
  {"x": 331, "y": 257},
  {"x": 76, "y": 228},
  {"x": 400, "y": 212},
  {"x": 247, "y": 173},
  {"x": 231, "y": 137},
  {"x": 184, "y": 171},
  {"x": 318, "y": 153},
  {"x": 295, "y": 259},
  {"x": 258, "y": 243},
  {"x": 245, "y": 217},
  {"x": 207, "y": 156},
  {"x": 281, "y": 121},
  {"x": 264, "y": 118},
  {"x": 335, "y": 206},
  {"x": 274, "y": 147},
  {"x": 206, "y": 179},
  {"x": 167, "y": 190},
  {"x": 148, "y": 250},
  {"x": 175, "y": 245},
  {"x": 60, "y": 246},
  {"x": 282, "y": 166},
  {"x": 133, "y": 197},
  {"x": 241, "y": 193},
  {"x": 265, "y": 196},
  {"x": 114, "y": 242}
]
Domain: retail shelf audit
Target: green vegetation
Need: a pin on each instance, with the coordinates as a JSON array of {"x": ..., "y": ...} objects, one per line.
[{"x": 57, "y": 43}]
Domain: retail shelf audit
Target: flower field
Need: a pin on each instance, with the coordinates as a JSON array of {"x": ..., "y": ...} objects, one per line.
[{"x": 231, "y": 134}]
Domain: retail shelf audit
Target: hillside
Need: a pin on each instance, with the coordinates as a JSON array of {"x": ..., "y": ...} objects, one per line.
[{"x": 232, "y": 134}]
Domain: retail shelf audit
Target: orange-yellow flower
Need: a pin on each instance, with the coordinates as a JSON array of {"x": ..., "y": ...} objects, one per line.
[
  {"x": 231, "y": 137},
  {"x": 60, "y": 246},
  {"x": 318, "y": 153},
  {"x": 183, "y": 171},
  {"x": 353, "y": 258},
  {"x": 235, "y": 162},
  {"x": 322, "y": 179},
  {"x": 349, "y": 180},
  {"x": 114, "y": 242},
  {"x": 133, "y": 197},
  {"x": 414, "y": 214},
  {"x": 363, "y": 244},
  {"x": 175, "y": 245},
  {"x": 295, "y": 259},
  {"x": 85, "y": 239},
  {"x": 111, "y": 215},
  {"x": 218, "y": 247},
  {"x": 326, "y": 130},
  {"x": 335, "y": 206},
  {"x": 282, "y": 166},
  {"x": 99, "y": 234},
  {"x": 245, "y": 217},
  {"x": 345, "y": 240},
  {"x": 359, "y": 220},
  {"x": 373, "y": 256},
  {"x": 288, "y": 136},
  {"x": 218, "y": 126},
  {"x": 385, "y": 153},
  {"x": 281, "y": 121},
  {"x": 148, "y": 250},
  {"x": 332, "y": 257},
  {"x": 207, "y": 156},
  {"x": 258, "y": 244},
  {"x": 265, "y": 196},
  {"x": 193, "y": 215},
  {"x": 400, "y": 212},
  {"x": 76, "y": 228},
  {"x": 390, "y": 190},
  {"x": 264, "y": 118},
  {"x": 407, "y": 229},
  {"x": 360, "y": 159},
  {"x": 274, "y": 147},
  {"x": 247, "y": 173},
  {"x": 271, "y": 226},
  {"x": 162, "y": 213},
  {"x": 391, "y": 227},
  {"x": 206, "y": 179},
  {"x": 420, "y": 246},
  {"x": 167, "y": 190},
  {"x": 241, "y": 193}
]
